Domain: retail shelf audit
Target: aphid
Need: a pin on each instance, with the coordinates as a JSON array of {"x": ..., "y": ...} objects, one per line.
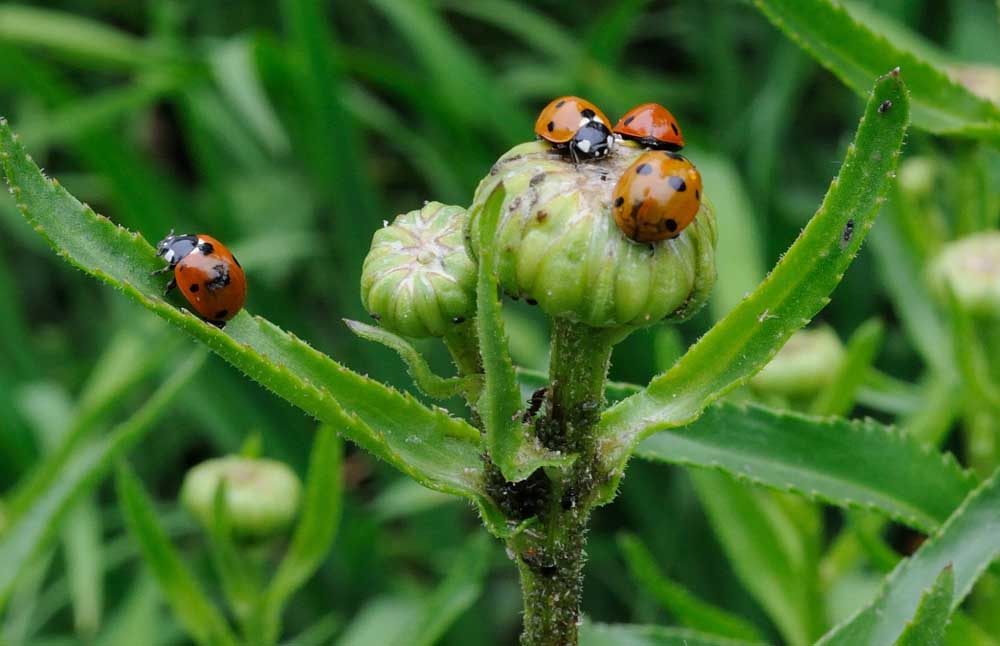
[
  {"x": 534, "y": 404},
  {"x": 845, "y": 237},
  {"x": 657, "y": 197},
  {"x": 207, "y": 274}
]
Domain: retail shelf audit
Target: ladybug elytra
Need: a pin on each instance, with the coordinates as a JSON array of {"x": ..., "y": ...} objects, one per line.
[
  {"x": 576, "y": 126},
  {"x": 652, "y": 125},
  {"x": 657, "y": 197}
]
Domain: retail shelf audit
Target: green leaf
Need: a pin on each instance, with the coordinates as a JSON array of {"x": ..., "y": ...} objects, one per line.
[
  {"x": 315, "y": 530},
  {"x": 84, "y": 555},
  {"x": 928, "y": 626},
  {"x": 234, "y": 571},
  {"x": 838, "y": 397},
  {"x": 855, "y": 54},
  {"x": 75, "y": 38},
  {"x": 460, "y": 589},
  {"x": 967, "y": 542},
  {"x": 859, "y": 464},
  {"x": 512, "y": 444},
  {"x": 768, "y": 552},
  {"x": 30, "y": 531},
  {"x": 431, "y": 384},
  {"x": 796, "y": 289},
  {"x": 593, "y": 634},
  {"x": 192, "y": 607},
  {"x": 680, "y": 602},
  {"x": 437, "y": 450}
]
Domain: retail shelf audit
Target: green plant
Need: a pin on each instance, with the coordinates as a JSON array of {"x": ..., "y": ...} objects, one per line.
[{"x": 537, "y": 476}]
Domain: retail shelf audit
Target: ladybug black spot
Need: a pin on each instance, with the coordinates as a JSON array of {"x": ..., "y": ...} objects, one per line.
[
  {"x": 697, "y": 195},
  {"x": 673, "y": 127},
  {"x": 207, "y": 248},
  {"x": 194, "y": 288},
  {"x": 671, "y": 224},
  {"x": 221, "y": 314},
  {"x": 561, "y": 104},
  {"x": 587, "y": 113},
  {"x": 550, "y": 126},
  {"x": 629, "y": 120},
  {"x": 644, "y": 169},
  {"x": 619, "y": 201},
  {"x": 677, "y": 183}
]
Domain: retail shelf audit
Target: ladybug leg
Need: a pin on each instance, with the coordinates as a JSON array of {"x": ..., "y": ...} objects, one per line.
[
  {"x": 573, "y": 156},
  {"x": 172, "y": 284},
  {"x": 162, "y": 270}
]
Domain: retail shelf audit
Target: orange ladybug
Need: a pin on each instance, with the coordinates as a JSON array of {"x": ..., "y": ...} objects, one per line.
[
  {"x": 577, "y": 126},
  {"x": 651, "y": 125},
  {"x": 657, "y": 196},
  {"x": 207, "y": 273}
]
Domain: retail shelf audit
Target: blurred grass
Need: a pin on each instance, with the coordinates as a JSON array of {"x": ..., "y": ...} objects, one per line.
[{"x": 293, "y": 129}]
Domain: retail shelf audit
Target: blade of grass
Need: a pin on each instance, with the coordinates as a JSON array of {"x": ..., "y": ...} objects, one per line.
[
  {"x": 928, "y": 625},
  {"x": 838, "y": 397},
  {"x": 189, "y": 602}
]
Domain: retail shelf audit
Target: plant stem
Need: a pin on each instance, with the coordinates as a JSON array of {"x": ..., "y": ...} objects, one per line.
[
  {"x": 551, "y": 553},
  {"x": 463, "y": 345}
]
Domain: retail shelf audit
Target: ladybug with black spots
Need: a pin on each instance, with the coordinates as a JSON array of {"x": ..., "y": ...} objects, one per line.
[
  {"x": 577, "y": 127},
  {"x": 657, "y": 197},
  {"x": 652, "y": 125},
  {"x": 207, "y": 274}
]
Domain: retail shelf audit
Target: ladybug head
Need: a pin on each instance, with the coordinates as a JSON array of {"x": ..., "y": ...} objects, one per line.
[{"x": 173, "y": 248}]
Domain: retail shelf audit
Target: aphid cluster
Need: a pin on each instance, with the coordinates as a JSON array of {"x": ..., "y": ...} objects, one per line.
[{"x": 660, "y": 193}]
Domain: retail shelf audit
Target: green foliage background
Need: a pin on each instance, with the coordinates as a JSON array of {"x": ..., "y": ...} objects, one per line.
[{"x": 292, "y": 130}]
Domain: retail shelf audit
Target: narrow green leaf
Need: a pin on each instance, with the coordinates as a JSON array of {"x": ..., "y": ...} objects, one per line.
[
  {"x": 768, "y": 552},
  {"x": 431, "y": 384},
  {"x": 75, "y": 38},
  {"x": 512, "y": 445},
  {"x": 320, "y": 633},
  {"x": 384, "y": 620},
  {"x": 84, "y": 554},
  {"x": 680, "y": 602},
  {"x": 440, "y": 451},
  {"x": 137, "y": 620},
  {"x": 196, "y": 613},
  {"x": 928, "y": 625},
  {"x": 315, "y": 531},
  {"x": 29, "y": 532},
  {"x": 855, "y": 464},
  {"x": 855, "y": 54},
  {"x": 234, "y": 571},
  {"x": 838, "y": 397},
  {"x": 460, "y": 589},
  {"x": 594, "y": 634},
  {"x": 967, "y": 542},
  {"x": 795, "y": 290}
]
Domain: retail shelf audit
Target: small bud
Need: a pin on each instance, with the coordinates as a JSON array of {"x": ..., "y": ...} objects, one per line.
[
  {"x": 806, "y": 363},
  {"x": 559, "y": 245},
  {"x": 417, "y": 278},
  {"x": 917, "y": 176},
  {"x": 970, "y": 267},
  {"x": 261, "y": 496}
]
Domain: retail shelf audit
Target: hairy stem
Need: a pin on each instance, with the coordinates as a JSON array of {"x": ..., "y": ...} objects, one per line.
[
  {"x": 551, "y": 553},
  {"x": 463, "y": 344}
]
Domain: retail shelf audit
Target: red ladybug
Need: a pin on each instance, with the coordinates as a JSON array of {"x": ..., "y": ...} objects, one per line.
[
  {"x": 576, "y": 126},
  {"x": 208, "y": 274},
  {"x": 651, "y": 125},
  {"x": 657, "y": 197}
]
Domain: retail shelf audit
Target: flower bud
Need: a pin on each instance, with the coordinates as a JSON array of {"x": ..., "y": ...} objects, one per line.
[
  {"x": 804, "y": 365},
  {"x": 418, "y": 279},
  {"x": 559, "y": 245},
  {"x": 261, "y": 496},
  {"x": 970, "y": 267}
]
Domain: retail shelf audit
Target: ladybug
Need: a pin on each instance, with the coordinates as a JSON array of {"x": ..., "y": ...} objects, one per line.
[
  {"x": 577, "y": 126},
  {"x": 651, "y": 125},
  {"x": 207, "y": 273},
  {"x": 657, "y": 196}
]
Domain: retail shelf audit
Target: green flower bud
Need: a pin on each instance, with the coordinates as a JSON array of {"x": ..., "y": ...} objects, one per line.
[
  {"x": 806, "y": 363},
  {"x": 917, "y": 176},
  {"x": 970, "y": 267},
  {"x": 261, "y": 496},
  {"x": 559, "y": 245},
  {"x": 418, "y": 279}
]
